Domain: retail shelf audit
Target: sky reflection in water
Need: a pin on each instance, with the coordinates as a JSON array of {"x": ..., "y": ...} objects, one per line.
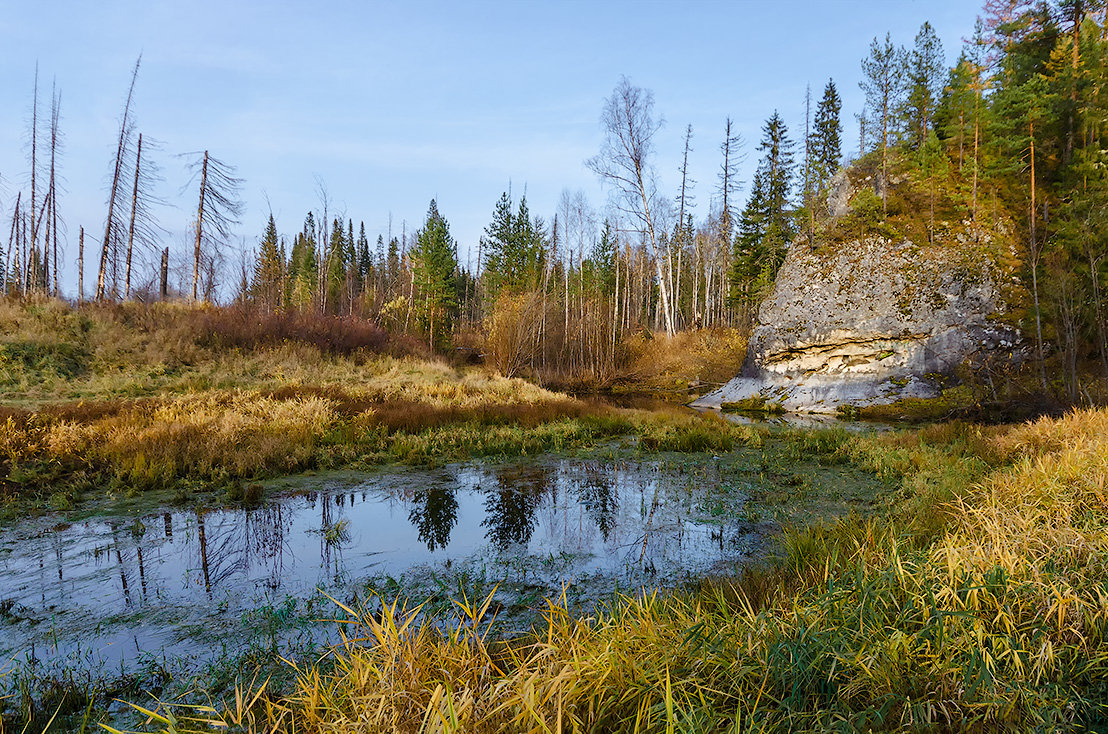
[{"x": 175, "y": 580}]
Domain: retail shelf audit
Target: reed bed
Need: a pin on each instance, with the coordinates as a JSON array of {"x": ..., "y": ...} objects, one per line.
[{"x": 991, "y": 617}]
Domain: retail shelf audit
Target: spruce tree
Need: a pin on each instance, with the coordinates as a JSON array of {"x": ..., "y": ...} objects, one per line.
[
  {"x": 604, "y": 258},
  {"x": 766, "y": 225},
  {"x": 268, "y": 270},
  {"x": 826, "y": 143},
  {"x": 926, "y": 68},
  {"x": 513, "y": 248},
  {"x": 435, "y": 266},
  {"x": 336, "y": 265},
  {"x": 365, "y": 257},
  {"x": 496, "y": 246},
  {"x": 747, "y": 253},
  {"x": 303, "y": 266},
  {"x": 528, "y": 248}
]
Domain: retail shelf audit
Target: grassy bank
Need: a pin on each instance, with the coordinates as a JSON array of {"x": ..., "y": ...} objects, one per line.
[
  {"x": 115, "y": 401},
  {"x": 976, "y": 601}
]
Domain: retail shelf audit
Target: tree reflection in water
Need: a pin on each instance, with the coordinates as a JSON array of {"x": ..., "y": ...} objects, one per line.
[
  {"x": 510, "y": 507},
  {"x": 434, "y": 513},
  {"x": 597, "y": 492}
]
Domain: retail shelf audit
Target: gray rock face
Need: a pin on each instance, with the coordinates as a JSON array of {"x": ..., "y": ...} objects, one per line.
[
  {"x": 838, "y": 194},
  {"x": 868, "y": 322}
]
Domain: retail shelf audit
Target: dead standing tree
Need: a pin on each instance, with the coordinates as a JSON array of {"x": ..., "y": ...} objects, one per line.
[
  {"x": 114, "y": 224},
  {"x": 624, "y": 163},
  {"x": 55, "y": 145},
  {"x": 143, "y": 229},
  {"x": 218, "y": 209}
]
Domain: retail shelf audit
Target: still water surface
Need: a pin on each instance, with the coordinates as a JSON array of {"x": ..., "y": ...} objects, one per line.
[{"x": 109, "y": 591}]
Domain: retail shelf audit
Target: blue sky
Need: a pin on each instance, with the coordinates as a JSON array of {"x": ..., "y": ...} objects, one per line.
[{"x": 389, "y": 105}]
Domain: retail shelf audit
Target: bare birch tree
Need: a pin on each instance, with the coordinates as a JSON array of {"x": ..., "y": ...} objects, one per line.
[{"x": 624, "y": 163}]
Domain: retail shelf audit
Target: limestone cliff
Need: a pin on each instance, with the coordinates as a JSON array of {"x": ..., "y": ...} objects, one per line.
[{"x": 870, "y": 321}]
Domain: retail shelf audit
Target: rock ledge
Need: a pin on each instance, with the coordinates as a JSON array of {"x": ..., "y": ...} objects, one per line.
[{"x": 868, "y": 322}]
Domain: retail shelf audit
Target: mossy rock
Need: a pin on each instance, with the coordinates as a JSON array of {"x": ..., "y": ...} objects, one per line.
[{"x": 952, "y": 402}]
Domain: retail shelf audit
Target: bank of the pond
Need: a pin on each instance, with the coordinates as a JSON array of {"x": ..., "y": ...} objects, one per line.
[
  {"x": 177, "y": 599},
  {"x": 224, "y": 442},
  {"x": 974, "y": 601}
]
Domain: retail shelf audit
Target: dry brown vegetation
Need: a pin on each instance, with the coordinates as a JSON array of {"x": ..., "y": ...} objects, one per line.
[{"x": 129, "y": 398}]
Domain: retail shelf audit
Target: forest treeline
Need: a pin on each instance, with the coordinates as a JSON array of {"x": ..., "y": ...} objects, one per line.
[{"x": 1005, "y": 147}]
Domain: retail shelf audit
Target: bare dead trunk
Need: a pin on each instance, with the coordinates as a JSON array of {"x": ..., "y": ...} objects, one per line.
[
  {"x": 81, "y": 266},
  {"x": 101, "y": 278},
  {"x": 131, "y": 227},
  {"x": 199, "y": 230},
  {"x": 34, "y": 177},
  {"x": 10, "y": 254}
]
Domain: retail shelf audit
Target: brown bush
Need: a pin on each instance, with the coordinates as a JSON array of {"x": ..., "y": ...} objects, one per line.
[{"x": 248, "y": 328}]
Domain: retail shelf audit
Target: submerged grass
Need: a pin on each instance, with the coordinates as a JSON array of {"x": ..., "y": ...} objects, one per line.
[{"x": 976, "y": 602}]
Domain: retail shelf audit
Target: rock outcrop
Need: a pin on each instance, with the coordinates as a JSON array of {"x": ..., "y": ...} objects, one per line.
[{"x": 867, "y": 322}]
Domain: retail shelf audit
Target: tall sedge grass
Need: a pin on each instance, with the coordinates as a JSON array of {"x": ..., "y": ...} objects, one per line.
[{"x": 991, "y": 617}]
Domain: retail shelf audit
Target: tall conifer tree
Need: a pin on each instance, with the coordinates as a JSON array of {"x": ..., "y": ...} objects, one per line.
[
  {"x": 926, "y": 67},
  {"x": 435, "y": 266}
]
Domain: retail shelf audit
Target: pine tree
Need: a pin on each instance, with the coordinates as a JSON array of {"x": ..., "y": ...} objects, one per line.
[
  {"x": 954, "y": 115},
  {"x": 883, "y": 84},
  {"x": 933, "y": 166}
]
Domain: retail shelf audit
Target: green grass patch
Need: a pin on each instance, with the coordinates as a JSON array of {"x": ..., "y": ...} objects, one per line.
[{"x": 757, "y": 405}]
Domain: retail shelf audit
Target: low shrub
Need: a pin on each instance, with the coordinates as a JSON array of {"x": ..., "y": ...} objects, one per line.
[{"x": 250, "y": 328}]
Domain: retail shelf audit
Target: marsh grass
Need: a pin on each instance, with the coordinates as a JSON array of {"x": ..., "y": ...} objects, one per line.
[
  {"x": 976, "y": 601},
  {"x": 224, "y": 440}
]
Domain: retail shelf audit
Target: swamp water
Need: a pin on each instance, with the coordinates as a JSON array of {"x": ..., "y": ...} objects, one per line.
[{"x": 173, "y": 591}]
